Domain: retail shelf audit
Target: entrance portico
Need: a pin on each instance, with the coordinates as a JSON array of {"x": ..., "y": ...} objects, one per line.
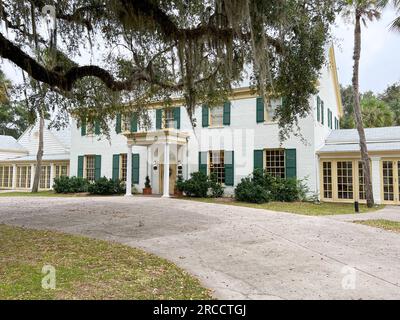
[{"x": 163, "y": 147}]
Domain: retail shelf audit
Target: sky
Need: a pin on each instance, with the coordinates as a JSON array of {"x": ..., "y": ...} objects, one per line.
[{"x": 380, "y": 53}]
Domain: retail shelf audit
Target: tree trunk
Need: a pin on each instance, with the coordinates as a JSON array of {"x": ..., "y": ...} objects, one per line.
[
  {"x": 357, "y": 111},
  {"x": 39, "y": 156}
]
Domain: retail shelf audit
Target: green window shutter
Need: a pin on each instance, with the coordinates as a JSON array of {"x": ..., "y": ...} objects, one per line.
[
  {"x": 204, "y": 116},
  {"x": 229, "y": 159},
  {"x": 260, "y": 109},
  {"x": 258, "y": 159},
  {"x": 177, "y": 117},
  {"x": 134, "y": 122},
  {"x": 97, "y": 167},
  {"x": 80, "y": 166},
  {"x": 118, "y": 123},
  {"x": 318, "y": 109},
  {"x": 227, "y": 113},
  {"x": 158, "y": 119},
  {"x": 135, "y": 168},
  {"x": 97, "y": 127},
  {"x": 83, "y": 127},
  {"x": 115, "y": 169},
  {"x": 322, "y": 112},
  {"x": 203, "y": 162},
  {"x": 290, "y": 159}
]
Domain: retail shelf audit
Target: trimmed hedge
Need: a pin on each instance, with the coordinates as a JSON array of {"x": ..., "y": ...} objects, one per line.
[
  {"x": 104, "y": 186},
  {"x": 70, "y": 185},
  {"x": 261, "y": 188},
  {"x": 200, "y": 186}
]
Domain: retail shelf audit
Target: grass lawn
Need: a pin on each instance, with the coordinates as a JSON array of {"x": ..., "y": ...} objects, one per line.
[
  {"x": 304, "y": 208},
  {"x": 86, "y": 269},
  {"x": 48, "y": 193},
  {"x": 382, "y": 223}
]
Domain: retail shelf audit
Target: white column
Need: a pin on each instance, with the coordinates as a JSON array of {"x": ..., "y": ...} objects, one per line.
[
  {"x": 129, "y": 171},
  {"x": 166, "y": 171},
  {"x": 51, "y": 175},
  {"x": 376, "y": 179},
  {"x": 32, "y": 175},
  {"x": 14, "y": 177}
]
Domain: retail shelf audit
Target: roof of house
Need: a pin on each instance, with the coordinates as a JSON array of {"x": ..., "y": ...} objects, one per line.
[
  {"x": 46, "y": 157},
  {"x": 378, "y": 139},
  {"x": 10, "y": 144}
]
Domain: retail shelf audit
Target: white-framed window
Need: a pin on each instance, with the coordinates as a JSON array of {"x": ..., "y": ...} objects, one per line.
[
  {"x": 90, "y": 167},
  {"x": 345, "y": 179},
  {"x": 270, "y": 109},
  {"x": 217, "y": 116},
  {"x": 125, "y": 123},
  {"x": 169, "y": 120},
  {"x": 44, "y": 182},
  {"x": 327, "y": 179},
  {"x": 6, "y": 176},
  {"x": 123, "y": 162},
  {"x": 61, "y": 170},
  {"x": 217, "y": 165},
  {"x": 275, "y": 162},
  {"x": 23, "y": 176}
]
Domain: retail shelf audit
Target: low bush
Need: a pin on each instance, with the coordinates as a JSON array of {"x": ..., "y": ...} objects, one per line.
[
  {"x": 262, "y": 187},
  {"x": 70, "y": 185},
  {"x": 104, "y": 186},
  {"x": 200, "y": 186}
]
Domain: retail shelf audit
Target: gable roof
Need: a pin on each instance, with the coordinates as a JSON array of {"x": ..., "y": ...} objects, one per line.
[
  {"x": 333, "y": 67},
  {"x": 9, "y": 143},
  {"x": 378, "y": 139}
]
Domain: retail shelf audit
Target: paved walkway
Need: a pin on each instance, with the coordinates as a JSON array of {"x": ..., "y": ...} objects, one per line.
[
  {"x": 388, "y": 213},
  {"x": 240, "y": 253}
]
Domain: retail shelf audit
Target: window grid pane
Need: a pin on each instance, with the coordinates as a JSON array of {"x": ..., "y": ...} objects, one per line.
[
  {"x": 361, "y": 181},
  {"x": 90, "y": 166},
  {"x": 44, "y": 182},
  {"x": 275, "y": 162},
  {"x": 345, "y": 179},
  {"x": 327, "y": 180},
  {"x": 169, "y": 118},
  {"x": 124, "y": 161},
  {"x": 388, "y": 185},
  {"x": 217, "y": 165},
  {"x": 217, "y": 115}
]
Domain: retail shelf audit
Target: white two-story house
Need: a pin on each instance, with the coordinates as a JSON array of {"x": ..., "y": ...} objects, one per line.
[{"x": 230, "y": 140}]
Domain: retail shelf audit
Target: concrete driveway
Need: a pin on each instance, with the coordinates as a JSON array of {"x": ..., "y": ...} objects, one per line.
[{"x": 240, "y": 253}]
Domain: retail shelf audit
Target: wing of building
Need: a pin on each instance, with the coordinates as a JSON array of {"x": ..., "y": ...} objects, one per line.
[
  {"x": 230, "y": 141},
  {"x": 18, "y": 157}
]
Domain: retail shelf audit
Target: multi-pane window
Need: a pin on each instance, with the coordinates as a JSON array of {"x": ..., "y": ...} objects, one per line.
[
  {"x": 388, "y": 180},
  {"x": 217, "y": 165},
  {"x": 6, "y": 176},
  {"x": 361, "y": 181},
  {"x": 61, "y": 170},
  {"x": 275, "y": 162},
  {"x": 169, "y": 120},
  {"x": 123, "y": 166},
  {"x": 23, "y": 176},
  {"x": 44, "y": 182},
  {"x": 345, "y": 179},
  {"x": 217, "y": 116},
  {"x": 90, "y": 168},
  {"x": 125, "y": 123},
  {"x": 327, "y": 179},
  {"x": 270, "y": 109}
]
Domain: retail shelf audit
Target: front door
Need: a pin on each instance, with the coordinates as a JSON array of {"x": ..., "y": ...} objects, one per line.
[
  {"x": 390, "y": 172},
  {"x": 172, "y": 178}
]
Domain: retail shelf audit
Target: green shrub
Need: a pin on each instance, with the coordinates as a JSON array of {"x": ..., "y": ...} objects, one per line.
[
  {"x": 70, "y": 185},
  {"x": 249, "y": 191},
  {"x": 200, "y": 186},
  {"x": 262, "y": 187},
  {"x": 104, "y": 186}
]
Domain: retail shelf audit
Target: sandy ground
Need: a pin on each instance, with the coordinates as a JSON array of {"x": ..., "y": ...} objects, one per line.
[{"x": 240, "y": 253}]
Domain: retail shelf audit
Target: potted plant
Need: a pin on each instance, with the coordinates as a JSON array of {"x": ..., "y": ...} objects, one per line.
[
  {"x": 178, "y": 191},
  {"x": 147, "y": 186}
]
